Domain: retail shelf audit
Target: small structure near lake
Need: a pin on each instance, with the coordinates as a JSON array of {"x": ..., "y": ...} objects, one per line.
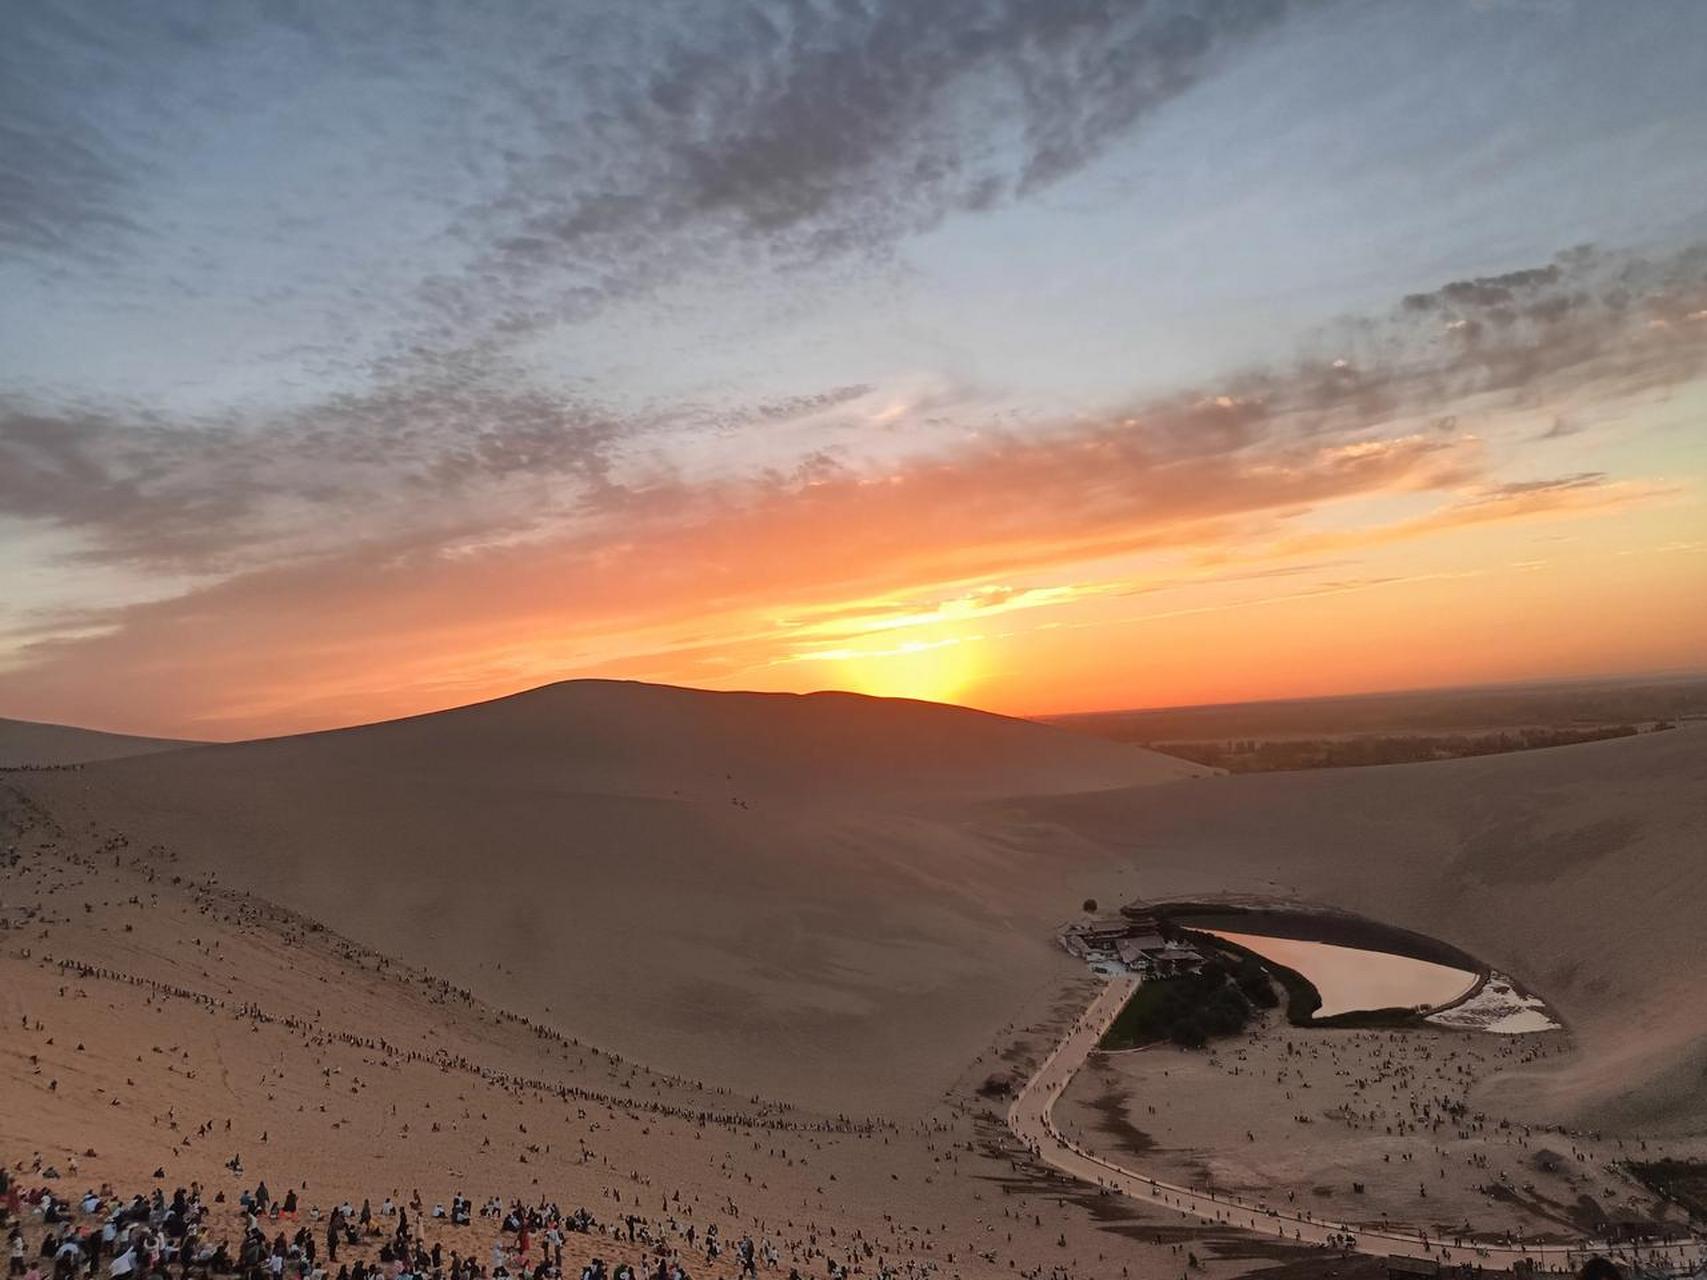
[
  {"x": 1151, "y": 957},
  {"x": 1118, "y": 946}
]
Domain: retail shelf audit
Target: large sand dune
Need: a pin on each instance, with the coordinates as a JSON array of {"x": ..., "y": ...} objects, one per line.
[
  {"x": 835, "y": 899},
  {"x": 1580, "y": 870},
  {"x": 772, "y": 891},
  {"x": 28, "y": 744},
  {"x": 155, "y": 1021},
  {"x": 811, "y": 908}
]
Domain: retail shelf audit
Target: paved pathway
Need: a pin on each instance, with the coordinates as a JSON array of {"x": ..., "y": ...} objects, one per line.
[{"x": 1031, "y": 1119}]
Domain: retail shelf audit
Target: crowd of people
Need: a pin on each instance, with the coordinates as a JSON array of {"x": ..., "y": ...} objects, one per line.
[{"x": 259, "y": 1236}]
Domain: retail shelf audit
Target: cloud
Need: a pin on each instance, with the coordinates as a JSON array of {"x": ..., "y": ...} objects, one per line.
[
  {"x": 1486, "y": 291},
  {"x": 551, "y": 158},
  {"x": 1584, "y": 493},
  {"x": 432, "y": 451},
  {"x": 1521, "y": 490},
  {"x": 807, "y": 131},
  {"x": 63, "y": 179},
  {"x": 480, "y": 534},
  {"x": 459, "y": 445},
  {"x": 287, "y": 646}
]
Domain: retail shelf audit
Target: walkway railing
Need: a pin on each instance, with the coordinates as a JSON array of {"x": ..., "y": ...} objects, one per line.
[{"x": 1036, "y": 1103}]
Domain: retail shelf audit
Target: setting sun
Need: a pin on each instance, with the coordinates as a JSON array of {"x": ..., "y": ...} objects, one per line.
[{"x": 929, "y": 670}]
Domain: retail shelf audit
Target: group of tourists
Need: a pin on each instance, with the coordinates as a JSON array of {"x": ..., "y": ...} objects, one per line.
[{"x": 153, "y": 1236}]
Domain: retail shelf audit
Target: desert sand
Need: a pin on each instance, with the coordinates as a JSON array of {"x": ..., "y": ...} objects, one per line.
[
  {"x": 1408, "y": 1089},
  {"x": 691, "y": 873},
  {"x": 1576, "y": 870},
  {"x": 29, "y": 744},
  {"x": 158, "y": 1020},
  {"x": 603, "y": 944}
]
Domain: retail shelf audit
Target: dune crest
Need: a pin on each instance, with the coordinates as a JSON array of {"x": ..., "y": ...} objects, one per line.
[
  {"x": 680, "y": 875},
  {"x": 847, "y": 749},
  {"x": 30, "y": 744}
]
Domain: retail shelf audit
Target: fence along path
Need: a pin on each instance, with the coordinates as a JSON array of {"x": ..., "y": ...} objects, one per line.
[{"x": 1031, "y": 1119}]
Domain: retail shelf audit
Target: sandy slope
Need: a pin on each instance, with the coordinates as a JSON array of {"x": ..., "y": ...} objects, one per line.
[
  {"x": 830, "y": 902},
  {"x": 154, "y": 1020},
  {"x": 627, "y": 738},
  {"x": 1580, "y": 870},
  {"x": 26, "y": 742},
  {"x": 771, "y": 891}
]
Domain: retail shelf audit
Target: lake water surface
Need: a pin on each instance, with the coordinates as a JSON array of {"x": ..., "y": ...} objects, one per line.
[{"x": 1351, "y": 979}]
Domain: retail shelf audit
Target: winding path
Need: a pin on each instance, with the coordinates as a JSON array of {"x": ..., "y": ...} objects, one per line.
[{"x": 1031, "y": 1119}]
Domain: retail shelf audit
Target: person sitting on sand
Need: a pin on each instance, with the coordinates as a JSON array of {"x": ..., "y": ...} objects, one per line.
[{"x": 69, "y": 1258}]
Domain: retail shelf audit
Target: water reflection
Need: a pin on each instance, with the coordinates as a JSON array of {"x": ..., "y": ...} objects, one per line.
[{"x": 1352, "y": 979}]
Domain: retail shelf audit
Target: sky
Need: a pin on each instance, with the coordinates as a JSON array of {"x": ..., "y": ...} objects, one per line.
[{"x": 1042, "y": 355}]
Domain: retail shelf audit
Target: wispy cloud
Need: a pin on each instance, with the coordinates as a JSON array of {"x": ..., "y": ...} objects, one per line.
[
  {"x": 1547, "y": 499},
  {"x": 452, "y": 503},
  {"x": 460, "y": 445},
  {"x": 564, "y": 156},
  {"x": 427, "y": 454}
]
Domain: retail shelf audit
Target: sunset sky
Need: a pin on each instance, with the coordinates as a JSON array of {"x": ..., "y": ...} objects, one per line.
[{"x": 1044, "y": 355}]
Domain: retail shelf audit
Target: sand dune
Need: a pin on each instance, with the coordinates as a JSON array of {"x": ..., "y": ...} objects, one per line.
[
  {"x": 809, "y": 909},
  {"x": 834, "y": 898},
  {"x": 613, "y": 737},
  {"x": 155, "y": 1021},
  {"x": 772, "y": 891},
  {"x": 26, "y": 743},
  {"x": 1578, "y": 869}
]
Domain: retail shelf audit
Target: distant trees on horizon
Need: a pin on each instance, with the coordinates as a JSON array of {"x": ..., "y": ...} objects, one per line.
[{"x": 1260, "y": 755}]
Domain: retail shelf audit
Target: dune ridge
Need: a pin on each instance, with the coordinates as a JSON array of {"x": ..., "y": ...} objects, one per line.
[
  {"x": 26, "y": 744},
  {"x": 863, "y": 887},
  {"x": 692, "y": 874}
]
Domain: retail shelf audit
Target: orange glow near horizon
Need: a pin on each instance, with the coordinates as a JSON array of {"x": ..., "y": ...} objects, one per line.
[
  {"x": 951, "y": 387},
  {"x": 942, "y": 670},
  {"x": 1384, "y": 587}
]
